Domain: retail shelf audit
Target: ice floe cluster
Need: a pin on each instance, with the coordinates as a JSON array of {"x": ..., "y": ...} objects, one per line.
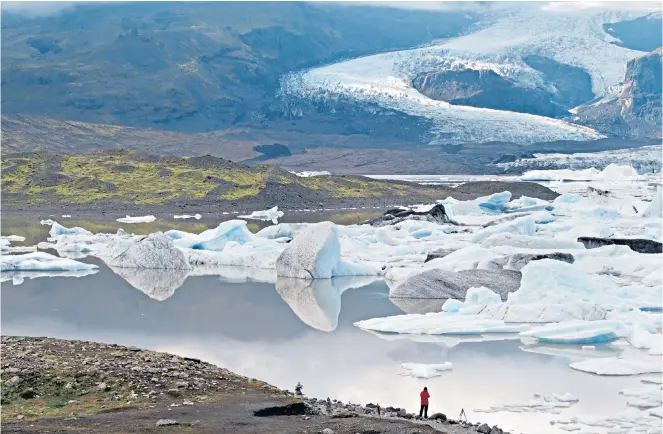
[{"x": 568, "y": 276}]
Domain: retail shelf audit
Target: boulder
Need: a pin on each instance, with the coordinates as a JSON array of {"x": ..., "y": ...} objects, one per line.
[
  {"x": 517, "y": 261},
  {"x": 483, "y": 428},
  {"x": 438, "y": 253},
  {"x": 636, "y": 244},
  {"x": 437, "y": 283},
  {"x": 438, "y": 416},
  {"x": 436, "y": 214},
  {"x": 154, "y": 251}
]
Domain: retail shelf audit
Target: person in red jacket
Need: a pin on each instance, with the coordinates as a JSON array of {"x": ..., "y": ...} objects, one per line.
[{"x": 424, "y": 395}]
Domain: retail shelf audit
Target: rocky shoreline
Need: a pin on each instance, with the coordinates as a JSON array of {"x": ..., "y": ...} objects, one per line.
[{"x": 49, "y": 384}]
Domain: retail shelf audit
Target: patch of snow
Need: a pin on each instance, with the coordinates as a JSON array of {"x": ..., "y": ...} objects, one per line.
[{"x": 308, "y": 174}]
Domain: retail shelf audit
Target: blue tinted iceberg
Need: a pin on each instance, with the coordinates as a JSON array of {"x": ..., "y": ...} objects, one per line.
[
  {"x": 40, "y": 261},
  {"x": 214, "y": 239}
]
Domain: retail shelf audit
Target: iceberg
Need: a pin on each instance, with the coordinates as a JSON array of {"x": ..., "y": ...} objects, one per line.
[
  {"x": 441, "y": 323},
  {"x": 17, "y": 277},
  {"x": 281, "y": 230},
  {"x": 420, "y": 370},
  {"x": 523, "y": 226},
  {"x": 12, "y": 238},
  {"x": 40, "y": 261},
  {"x": 437, "y": 283},
  {"x": 315, "y": 253},
  {"x": 272, "y": 214},
  {"x": 57, "y": 229},
  {"x": 188, "y": 216},
  {"x": 574, "y": 332},
  {"x": 529, "y": 242},
  {"x": 616, "y": 366},
  {"x": 490, "y": 205},
  {"x": 643, "y": 397},
  {"x": 143, "y": 219},
  {"x": 641, "y": 337},
  {"x": 655, "y": 208},
  {"x": 153, "y": 251},
  {"x": 213, "y": 239}
]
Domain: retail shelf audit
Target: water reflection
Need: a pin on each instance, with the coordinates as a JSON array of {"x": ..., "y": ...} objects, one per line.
[
  {"x": 155, "y": 283},
  {"x": 300, "y": 332},
  {"x": 318, "y": 302}
]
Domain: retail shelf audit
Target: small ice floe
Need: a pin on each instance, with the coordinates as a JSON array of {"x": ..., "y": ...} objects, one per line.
[
  {"x": 66, "y": 216},
  {"x": 632, "y": 420},
  {"x": 272, "y": 214},
  {"x": 648, "y": 396},
  {"x": 642, "y": 337},
  {"x": 554, "y": 404},
  {"x": 421, "y": 370},
  {"x": 188, "y": 216},
  {"x": 576, "y": 332},
  {"x": 143, "y": 219},
  {"x": 12, "y": 238},
  {"x": 46, "y": 222},
  {"x": 17, "y": 277},
  {"x": 616, "y": 366},
  {"x": 441, "y": 323},
  {"x": 40, "y": 261}
]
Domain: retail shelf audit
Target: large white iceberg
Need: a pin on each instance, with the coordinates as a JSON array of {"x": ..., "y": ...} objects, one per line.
[
  {"x": 141, "y": 219},
  {"x": 40, "y": 261},
  {"x": 315, "y": 253},
  {"x": 154, "y": 251},
  {"x": 272, "y": 214}
]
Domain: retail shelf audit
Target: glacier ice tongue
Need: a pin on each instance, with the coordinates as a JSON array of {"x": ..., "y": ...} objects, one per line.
[
  {"x": 272, "y": 214},
  {"x": 141, "y": 219},
  {"x": 420, "y": 370},
  {"x": 41, "y": 261}
]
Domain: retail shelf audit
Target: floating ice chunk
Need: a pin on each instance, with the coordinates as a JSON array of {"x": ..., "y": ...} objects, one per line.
[
  {"x": 47, "y": 222},
  {"x": 315, "y": 253},
  {"x": 40, "y": 261},
  {"x": 523, "y": 225},
  {"x": 567, "y": 198},
  {"x": 17, "y": 249},
  {"x": 543, "y": 217},
  {"x": 655, "y": 208},
  {"x": 467, "y": 258},
  {"x": 545, "y": 312},
  {"x": 641, "y": 337},
  {"x": 66, "y": 216},
  {"x": 615, "y": 366},
  {"x": 188, "y": 216},
  {"x": 540, "y": 404},
  {"x": 57, "y": 229},
  {"x": 643, "y": 397},
  {"x": 154, "y": 251},
  {"x": 17, "y": 277},
  {"x": 420, "y": 370},
  {"x": 272, "y": 214},
  {"x": 588, "y": 347},
  {"x": 574, "y": 332},
  {"x": 493, "y": 204},
  {"x": 142, "y": 219},
  {"x": 214, "y": 239},
  {"x": 438, "y": 324},
  {"x": 12, "y": 238}
]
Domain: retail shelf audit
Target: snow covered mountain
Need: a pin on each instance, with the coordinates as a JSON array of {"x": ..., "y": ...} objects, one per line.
[{"x": 523, "y": 44}]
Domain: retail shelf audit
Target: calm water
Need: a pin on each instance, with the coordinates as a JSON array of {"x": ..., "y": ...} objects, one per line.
[{"x": 289, "y": 332}]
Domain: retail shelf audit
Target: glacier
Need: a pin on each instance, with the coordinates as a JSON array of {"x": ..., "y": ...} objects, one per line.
[{"x": 508, "y": 34}]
